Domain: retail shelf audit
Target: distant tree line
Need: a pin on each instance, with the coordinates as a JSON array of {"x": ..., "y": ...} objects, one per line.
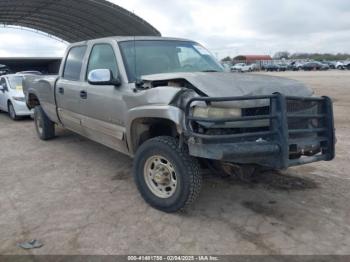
[
  {"x": 227, "y": 59},
  {"x": 321, "y": 57},
  {"x": 312, "y": 56},
  {"x": 309, "y": 56}
]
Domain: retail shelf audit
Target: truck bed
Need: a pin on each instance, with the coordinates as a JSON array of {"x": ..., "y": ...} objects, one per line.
[{"x": 42, "y": 87}]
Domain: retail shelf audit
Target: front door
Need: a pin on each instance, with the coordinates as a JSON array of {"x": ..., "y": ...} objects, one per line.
[{"x": 104, "y": 108}]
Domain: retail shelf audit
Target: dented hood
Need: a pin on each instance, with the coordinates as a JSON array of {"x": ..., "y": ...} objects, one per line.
[{"x": 217, "y": 84}]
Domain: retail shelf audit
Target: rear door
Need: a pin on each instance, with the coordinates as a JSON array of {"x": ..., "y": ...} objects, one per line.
[{"x": 68, "y": 89}]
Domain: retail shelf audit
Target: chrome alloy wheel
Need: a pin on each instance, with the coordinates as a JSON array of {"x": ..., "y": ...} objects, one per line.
[{"x": 160, "y": 176}]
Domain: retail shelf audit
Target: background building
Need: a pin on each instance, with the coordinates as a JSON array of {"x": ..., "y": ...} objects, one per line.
[{"x": 70, "y": 21}]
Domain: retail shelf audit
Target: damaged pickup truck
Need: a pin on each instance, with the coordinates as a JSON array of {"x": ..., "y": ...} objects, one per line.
[{"x": 168, "y": 104}]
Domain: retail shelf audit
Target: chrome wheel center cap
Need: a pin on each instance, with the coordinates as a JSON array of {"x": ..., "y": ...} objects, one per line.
[{"x": 162, "y": 177}]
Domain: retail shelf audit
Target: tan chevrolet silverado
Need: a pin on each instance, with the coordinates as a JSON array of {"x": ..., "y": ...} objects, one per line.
[{"x": 168, "y": 104}]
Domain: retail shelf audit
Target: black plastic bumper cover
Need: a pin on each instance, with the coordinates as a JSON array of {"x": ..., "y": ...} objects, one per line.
[{"x": 281, "y": 146}]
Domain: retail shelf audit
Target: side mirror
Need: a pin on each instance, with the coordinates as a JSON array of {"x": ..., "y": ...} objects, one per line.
[
  {"x": 103, "y": 77},
  {"x": 2, "y": 88}
]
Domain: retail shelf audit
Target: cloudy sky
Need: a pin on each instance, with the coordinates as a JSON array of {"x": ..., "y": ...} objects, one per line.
[{"x": 226, "y": 27}]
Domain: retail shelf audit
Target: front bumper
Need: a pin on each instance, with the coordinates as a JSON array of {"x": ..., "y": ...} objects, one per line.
[
  {"x": 292, "y": 137},
  {"x": 21, "y": 108}
]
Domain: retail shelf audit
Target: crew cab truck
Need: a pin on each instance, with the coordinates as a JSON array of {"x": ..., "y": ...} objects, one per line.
[{"x": 169, "y": 105}]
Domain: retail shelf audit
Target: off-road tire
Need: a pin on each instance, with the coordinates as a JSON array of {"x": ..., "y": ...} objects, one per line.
[
  {"x": 47, "y": 129},
  {"x": 187, "y": 173},
  {"x": 12, "y": 112}
]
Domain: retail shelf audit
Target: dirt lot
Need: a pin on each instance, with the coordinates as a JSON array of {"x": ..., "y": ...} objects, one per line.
[{"x": 78, "y": 197}]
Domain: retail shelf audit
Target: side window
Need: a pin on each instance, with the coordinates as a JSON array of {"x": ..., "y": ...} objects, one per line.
[
  {"x": 102, "y": 57},
  {"x": 3, "y": 83},
  {"x": 74, "y": 63}
]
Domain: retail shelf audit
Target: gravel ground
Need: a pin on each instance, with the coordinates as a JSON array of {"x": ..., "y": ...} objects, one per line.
[{"x": 78, "y": 197}]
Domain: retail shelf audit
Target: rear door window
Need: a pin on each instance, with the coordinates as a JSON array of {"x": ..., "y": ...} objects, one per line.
[{"x": 74, "y": 63}]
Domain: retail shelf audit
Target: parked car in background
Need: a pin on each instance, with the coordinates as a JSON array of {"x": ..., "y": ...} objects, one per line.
[
  {"x": 298, "y": 66},
  {"x": 290, "y": 66},
  {"x": 340, "y": 65},
  {"x": 314, "y": 66},
  {"x": 254, "y": 67},
  {"x": 282, "y": 67},
  {"x": 346, "y": 65},
  {"x": 242, "y": 67},
  {"x": 270, "y": 68},
  {"x": 325, "y": 66},
  {"x": 12, "y": 98},
  {"x": 237, "y": 67},
  {"x": 331, "y": 64}
]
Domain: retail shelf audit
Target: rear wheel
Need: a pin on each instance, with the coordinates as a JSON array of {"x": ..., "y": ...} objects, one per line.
[
  {"x": 45, "y": 128},
  {"x": 12, "y": 111},
  {"x": 167, "y": 177}
]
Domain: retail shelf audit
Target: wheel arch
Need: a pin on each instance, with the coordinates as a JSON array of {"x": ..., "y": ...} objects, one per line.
[
  {"x": 32, "y": 100},
  {"x": 149, "y": 122}
]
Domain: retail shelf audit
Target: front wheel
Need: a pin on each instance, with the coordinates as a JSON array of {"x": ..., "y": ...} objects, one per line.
[
  {"x": 167, "y": 177},
  {"x": 12, "y": 111},
  {"x": 44, "y": 127}
]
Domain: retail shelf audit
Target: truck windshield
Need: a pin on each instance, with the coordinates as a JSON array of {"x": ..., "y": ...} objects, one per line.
[
  {"x": 145, "y": 57},
  {"x": 15, "y": 82}
]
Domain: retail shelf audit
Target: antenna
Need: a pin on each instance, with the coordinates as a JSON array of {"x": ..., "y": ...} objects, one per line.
[
  {"x": 135, "y": 61},
  {"x": 135, "y": 58}
]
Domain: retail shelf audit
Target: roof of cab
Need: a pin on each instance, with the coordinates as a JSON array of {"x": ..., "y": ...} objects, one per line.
[{"x": 132, "y": 38}]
